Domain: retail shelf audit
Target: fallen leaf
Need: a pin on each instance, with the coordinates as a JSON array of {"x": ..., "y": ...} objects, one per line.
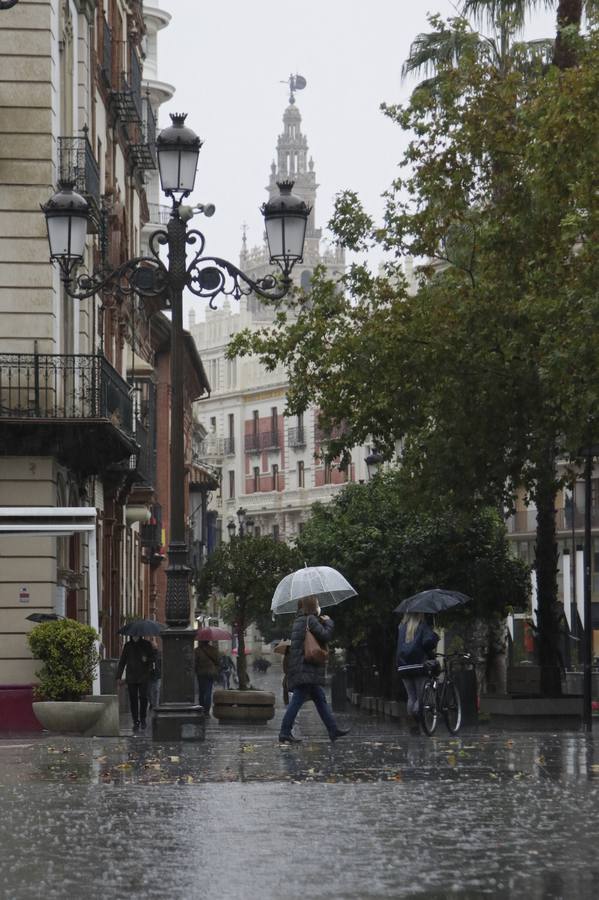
[
  {"x": 174, "y": 759},
  {"x": 452, "y": 759}
]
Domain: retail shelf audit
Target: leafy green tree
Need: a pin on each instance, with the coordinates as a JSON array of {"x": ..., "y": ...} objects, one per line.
[
  {"x": 486, "y": 372},
  {"x": 245, "y": 572},
  {"x": 391, "y": 543}
]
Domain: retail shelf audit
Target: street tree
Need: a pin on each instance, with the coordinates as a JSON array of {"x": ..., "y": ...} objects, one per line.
[
  {"x": 391, "y": 542},
  {"x": 244, "y": 573},
  {"x": 485, "y": 370}
]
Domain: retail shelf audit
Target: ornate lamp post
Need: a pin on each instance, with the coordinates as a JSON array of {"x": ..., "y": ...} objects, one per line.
[{"x": 66, "y": 213}]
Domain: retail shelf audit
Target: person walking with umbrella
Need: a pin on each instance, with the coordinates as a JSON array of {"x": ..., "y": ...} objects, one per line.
[
  {"x": 306, "y": 679},
  {"x": 137, "y": 659}
]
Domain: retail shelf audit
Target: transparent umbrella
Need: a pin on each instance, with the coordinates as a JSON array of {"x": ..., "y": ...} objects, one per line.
[{"x": 326, "y": 584}]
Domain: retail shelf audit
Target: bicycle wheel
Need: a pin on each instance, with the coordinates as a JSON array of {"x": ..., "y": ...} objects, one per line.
[
  {"x": 452, "y": 708},
  {"x": 428, "y": 707}
]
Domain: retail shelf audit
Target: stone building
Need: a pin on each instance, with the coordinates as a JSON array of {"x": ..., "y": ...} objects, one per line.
[{"x": 83, "y": 389}]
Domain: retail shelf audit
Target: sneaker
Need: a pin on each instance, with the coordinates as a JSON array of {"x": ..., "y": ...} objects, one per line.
[
  {"x": 288, "y": 739},
  {"x": 136, "y": 726},
  {"x": 341, "y": 732}
]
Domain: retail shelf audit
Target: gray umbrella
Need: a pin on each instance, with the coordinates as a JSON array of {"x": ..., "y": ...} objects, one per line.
[
  {"x": 435, "y": 600},
  {"x": 140, "y": 627}
]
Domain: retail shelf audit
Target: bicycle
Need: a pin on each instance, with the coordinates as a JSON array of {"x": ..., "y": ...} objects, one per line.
[{"x": 441, "y": 696}]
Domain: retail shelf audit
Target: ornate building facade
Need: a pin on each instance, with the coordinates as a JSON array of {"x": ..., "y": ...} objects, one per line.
[{"x": 270, "y": 465}]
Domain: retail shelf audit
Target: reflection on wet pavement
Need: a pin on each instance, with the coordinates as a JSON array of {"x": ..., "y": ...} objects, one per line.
[{"x": 381, "y": 813}]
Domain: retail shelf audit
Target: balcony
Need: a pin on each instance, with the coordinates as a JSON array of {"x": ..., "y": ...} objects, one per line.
[
  {"x": 74, "y": 407},
  {"x": 525, "y": 521},
  {"x": 77, "y": 164},
  {"x": 142, "y": 148},
  {"x": 265, "y": 440},
  {"x": 210, "y": 448},
  {"x": 126, "y": 83},
  {"x": 296, "y": 437}
]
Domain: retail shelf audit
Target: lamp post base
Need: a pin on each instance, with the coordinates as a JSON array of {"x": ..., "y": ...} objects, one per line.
[{"x": 178, "y": 722}]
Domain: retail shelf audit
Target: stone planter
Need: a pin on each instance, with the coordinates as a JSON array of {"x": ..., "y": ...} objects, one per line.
[
  {"x": 243, "y": 706},
  {"x": 67, "y": 716}
]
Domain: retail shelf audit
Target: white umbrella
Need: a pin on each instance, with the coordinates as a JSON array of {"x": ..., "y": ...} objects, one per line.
[{"x": 326, "y": 584}]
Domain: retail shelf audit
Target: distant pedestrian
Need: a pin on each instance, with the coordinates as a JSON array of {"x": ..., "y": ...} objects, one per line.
[
  {"x": 137, "y": 660},
  {"x": 206, "y": 669},
  {"x": 156, "y": 676},
  {"x": 226, "y": 669},
  {"x": 416, "y": 642},
  {"x": 305, "y": 679}
]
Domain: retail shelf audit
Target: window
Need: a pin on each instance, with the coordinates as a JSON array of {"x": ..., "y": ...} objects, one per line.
[
  {"x": 256, "y": 420},
  {"x": 231, "y": 425},
  {"x": 276, "y": 532},
  {"x": 257, "y": 531},
  {"x": 327, "y": 473},
  {"x": 274, "y": 419},
  {"x": 300, "y": 474},
  {"x": 212, "y": 423},
  {"x": 232, "y": 483},
  {"x": 275, "y": 477},
  {"x": 300, "y": 420},
  {"x": 256, "y": 478}
]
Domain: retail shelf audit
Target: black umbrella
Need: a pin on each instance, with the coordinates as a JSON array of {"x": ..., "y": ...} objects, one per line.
[
  {"x": 140, "y": 627},
  {"x": 435, "y": 600}
]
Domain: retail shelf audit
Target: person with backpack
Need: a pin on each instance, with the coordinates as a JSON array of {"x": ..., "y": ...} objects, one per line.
[{"x": 416, "y": 642}]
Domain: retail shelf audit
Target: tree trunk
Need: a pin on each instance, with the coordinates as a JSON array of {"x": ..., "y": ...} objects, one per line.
[
  {"x": 547, "y": 644},
  {"x": 569, "y": 13},
  {"x": 242, "y": 663}
]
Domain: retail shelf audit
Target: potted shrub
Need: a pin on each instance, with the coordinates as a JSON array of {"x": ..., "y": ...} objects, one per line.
[
  {"x": 68, "y": 652},
  {"x": 245, "y": 571}
]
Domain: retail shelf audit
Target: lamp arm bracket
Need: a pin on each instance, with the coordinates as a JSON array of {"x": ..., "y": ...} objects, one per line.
[
  {"x": 209, "y": 276},
  {"x": 144, "y": 275}
]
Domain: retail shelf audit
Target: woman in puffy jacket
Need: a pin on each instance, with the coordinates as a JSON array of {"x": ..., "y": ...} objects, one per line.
[
  {"x": 306, "y": 679},
  {"x": 416, "y": 642}
]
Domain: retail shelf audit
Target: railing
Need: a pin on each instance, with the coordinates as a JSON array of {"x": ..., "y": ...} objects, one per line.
[
  {"x": 159, "y": 213},
  {"x": 49, "y": 386},
  {"x": 296, "y": 437},
  {"x": 77, "y": 164},
  {"x": 265, "y": 440},
  {"x": 126, "y": 83},
  {"x": 211, "y": 447},
  {"x": 229, "y": 446},
  {"x": 142, "y": 146}
]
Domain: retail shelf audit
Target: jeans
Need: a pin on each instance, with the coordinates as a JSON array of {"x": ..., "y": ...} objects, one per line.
[
  {"x": 414, "y": 688},
  {"x": 301, "y": 693},
  {"x": 138, "y": 700},
  {"x": 205, "y": 684}
]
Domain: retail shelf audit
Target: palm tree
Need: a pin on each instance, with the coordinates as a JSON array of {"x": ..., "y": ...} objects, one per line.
[{"x": 433, "y": 51}]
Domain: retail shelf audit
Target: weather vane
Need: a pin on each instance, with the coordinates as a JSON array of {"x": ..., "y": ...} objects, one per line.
[{"x": 296, "y": 83}]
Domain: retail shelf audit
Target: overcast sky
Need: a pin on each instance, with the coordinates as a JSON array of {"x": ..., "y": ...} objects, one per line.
[{"x": 227, "y": 60}]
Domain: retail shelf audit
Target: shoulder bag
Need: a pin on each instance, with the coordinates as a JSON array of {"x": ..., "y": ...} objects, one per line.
[{"x": 314, "y": 652}]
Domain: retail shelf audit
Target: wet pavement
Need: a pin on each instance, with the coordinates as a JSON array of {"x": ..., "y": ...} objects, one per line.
[{"x": 381, "y": 813}]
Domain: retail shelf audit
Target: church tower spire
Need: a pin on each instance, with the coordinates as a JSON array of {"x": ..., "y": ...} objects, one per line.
[{"x": 292, "y": 163}]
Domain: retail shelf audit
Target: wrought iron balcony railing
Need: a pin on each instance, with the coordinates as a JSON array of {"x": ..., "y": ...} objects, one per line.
[
  {"x": 77, "y": 164},
  {"x": 142, "y": 148},
  {"x": 296, "y": 437},
  {"x": 159, "y": 213},
  {"x": 58, "y": 387},
  {"x": 229, "y": 446},
  {"x": 126, "y": 83},
  {"x": 265, "y": 440}
]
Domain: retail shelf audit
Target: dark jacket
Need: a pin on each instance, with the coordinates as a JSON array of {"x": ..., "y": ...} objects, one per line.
[
  {"x": 138, "y": 660},
  {"x": 420, "y": 648},
  {"x": 300, "y": 671},
  {"x": 206, "y": 661}
]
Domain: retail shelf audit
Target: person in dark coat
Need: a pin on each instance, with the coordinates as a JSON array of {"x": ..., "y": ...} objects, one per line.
[
  {"x": 306, "y": 680},
  {"x": 416, "y": 642},
  {"x": 137, "y": 659}
]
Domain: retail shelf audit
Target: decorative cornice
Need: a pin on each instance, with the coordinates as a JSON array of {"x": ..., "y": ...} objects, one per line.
[{"x": 86, "y": 8}]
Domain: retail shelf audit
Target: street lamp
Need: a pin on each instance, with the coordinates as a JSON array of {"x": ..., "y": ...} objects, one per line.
[
  {"x": 241, "y": 514},
  {"x": 373, "y": 461},
  {"x": 66, "y": 214},
  {"x": 231, "y": 528}
]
